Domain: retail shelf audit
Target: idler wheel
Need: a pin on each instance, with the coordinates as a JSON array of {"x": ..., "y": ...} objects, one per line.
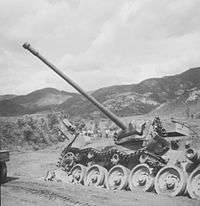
[
  {"x": 193, "y": 185},
  {"x": 95, "y": 175},
  {"x": 68, "y": 160},
  {"x": 170, "y": 180},
  {"x": 141, "y": 178},
  {"x": 117, "y": 178},
  {"x": 78, "y": 173}
]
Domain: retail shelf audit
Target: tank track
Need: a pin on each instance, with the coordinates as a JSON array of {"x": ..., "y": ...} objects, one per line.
[{"x": 111, "y": 168}]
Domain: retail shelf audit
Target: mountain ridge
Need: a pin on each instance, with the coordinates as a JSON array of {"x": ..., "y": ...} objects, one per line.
[{"x": 148, "y": 96}]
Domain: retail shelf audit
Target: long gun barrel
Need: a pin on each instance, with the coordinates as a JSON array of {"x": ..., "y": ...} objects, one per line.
[{"x": 108, "y": 113}]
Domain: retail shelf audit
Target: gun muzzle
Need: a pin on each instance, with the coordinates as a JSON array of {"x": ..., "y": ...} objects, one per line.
[{"x": 26, "y": 45}]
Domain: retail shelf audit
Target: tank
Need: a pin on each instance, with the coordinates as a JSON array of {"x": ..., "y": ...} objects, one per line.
[{"x": 151, "y": 159}]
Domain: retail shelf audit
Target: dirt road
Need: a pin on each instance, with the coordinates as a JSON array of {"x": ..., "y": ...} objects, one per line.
[
  {"x": 26, "y": 187},
  {"x": 35, "y": 192}
]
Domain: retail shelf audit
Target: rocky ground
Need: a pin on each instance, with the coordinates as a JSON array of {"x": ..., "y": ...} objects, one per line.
[{"x": 25, "y": 186}]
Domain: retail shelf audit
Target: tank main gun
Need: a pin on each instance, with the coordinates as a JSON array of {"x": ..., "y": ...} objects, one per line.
[{"x": 108, "y": 113}]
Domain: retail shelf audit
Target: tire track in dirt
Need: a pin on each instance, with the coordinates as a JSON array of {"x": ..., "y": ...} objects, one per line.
[
  {"x": 79, "y": 195},
  {"x": 43, "y": 190}
]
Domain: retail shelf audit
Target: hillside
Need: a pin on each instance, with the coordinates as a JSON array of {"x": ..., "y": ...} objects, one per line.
[
  {"x": 6, "y": 97},
  {"x": 37, "y": 101},
  {"x": 156, "y": 96},
  {"x": 178, "y": 93}
]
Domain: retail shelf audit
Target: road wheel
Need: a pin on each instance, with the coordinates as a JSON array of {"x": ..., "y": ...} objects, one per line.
[
  {"x": 95, "y": 175},
  {"x": 117, "y": 178},
  {"x": 141, "y": 178},
  {"x": 78, "y": 173},
  {"x": 171, "y": 181},
  {"x": 193, "y": 185}
]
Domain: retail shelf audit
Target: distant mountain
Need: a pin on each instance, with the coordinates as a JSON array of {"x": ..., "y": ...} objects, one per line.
[
  {"x": 160, "y": 96},
  {"x": 37, "y": 101},
  {"x": 169, "y": 94},
  {"x": 7, "y": 96},
  {"x": 42, "y": 98}
]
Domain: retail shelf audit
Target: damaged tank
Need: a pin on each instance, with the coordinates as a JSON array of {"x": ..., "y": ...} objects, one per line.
[{"x": 152, "y": 159}]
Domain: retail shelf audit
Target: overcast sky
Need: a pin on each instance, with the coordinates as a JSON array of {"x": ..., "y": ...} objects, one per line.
[{"x": 96, "y": 42}]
